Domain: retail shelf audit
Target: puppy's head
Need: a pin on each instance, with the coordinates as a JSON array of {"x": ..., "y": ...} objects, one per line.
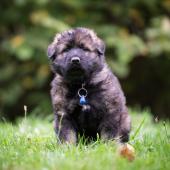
[{"x": 76, "y": 54}]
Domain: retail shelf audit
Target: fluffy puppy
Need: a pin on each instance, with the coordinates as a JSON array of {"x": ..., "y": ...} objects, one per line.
[{"x": 86, "y": 96}]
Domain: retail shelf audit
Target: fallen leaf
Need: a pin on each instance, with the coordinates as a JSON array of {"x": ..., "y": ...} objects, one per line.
[{"x": 127, "y": 151}]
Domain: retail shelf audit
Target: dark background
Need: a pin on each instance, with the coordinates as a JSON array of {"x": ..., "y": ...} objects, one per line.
[{"x": 137, "y": 37}]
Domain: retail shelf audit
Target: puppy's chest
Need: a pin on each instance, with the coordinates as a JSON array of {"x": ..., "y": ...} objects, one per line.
[
  {"x": 86, "y": 117},
  {"x": 94, "y": 103}
]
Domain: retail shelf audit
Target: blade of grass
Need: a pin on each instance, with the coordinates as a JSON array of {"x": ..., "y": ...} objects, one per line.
[
  {"x": 138, "y": 129},
  {"x": 166, "y": 132}
]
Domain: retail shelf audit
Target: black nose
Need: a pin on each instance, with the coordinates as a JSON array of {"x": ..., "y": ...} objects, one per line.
[{"x": 75, "y": 60}]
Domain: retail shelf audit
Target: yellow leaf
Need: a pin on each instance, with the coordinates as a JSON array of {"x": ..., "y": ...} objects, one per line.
[{"x": 127, "y": 151}]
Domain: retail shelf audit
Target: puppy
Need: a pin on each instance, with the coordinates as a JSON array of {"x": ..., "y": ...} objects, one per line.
[{"x": 86, "y": 96}]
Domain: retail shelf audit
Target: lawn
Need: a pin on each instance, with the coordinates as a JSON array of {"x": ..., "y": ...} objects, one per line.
[{"x": 30, "y": 144}]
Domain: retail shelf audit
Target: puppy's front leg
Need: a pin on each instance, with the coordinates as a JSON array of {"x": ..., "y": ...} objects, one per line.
[
  {"x": 64, "y": 129},
  {"x": 108, "y": 128}
]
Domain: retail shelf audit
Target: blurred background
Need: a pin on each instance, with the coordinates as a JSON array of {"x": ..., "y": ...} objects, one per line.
[{"x": 137, "y": 37}]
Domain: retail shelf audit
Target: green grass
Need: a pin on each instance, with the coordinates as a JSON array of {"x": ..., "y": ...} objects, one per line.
[{"x": 31, "y": 144}]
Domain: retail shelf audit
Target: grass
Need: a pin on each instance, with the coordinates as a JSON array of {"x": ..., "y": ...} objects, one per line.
[{"x": 31, "y": 144}]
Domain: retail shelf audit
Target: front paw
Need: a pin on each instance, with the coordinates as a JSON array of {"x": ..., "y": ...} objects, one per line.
[
  {"x": 108, "y": 134},
  {"x": 67, "y": 136}
]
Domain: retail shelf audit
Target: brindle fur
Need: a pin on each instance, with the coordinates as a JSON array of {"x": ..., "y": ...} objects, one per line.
[{"x": 106, "y": 112}]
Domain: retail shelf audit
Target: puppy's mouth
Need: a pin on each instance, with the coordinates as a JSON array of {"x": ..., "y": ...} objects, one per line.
[{"x": 75, "y": 73}]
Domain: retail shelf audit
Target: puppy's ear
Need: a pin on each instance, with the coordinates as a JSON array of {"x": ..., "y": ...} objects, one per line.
[
  {"x": 51, "y": 51},
  {"x": 101, "y": 47}
]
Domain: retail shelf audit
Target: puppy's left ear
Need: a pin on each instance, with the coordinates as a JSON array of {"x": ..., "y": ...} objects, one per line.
[
  {"x": 101, "y": 47},
  {"x": 51, "y": 51}
]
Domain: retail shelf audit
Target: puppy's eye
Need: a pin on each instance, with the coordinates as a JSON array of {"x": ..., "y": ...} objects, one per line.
[
  {"x": 66, "y": 49},
  {"x": 83, "y": 47},
  {"x": 86, "y": 49}
]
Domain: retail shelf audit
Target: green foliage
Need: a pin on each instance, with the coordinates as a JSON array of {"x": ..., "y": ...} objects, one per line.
[
  {"x": 130, "y": 28},
  {"x": 31, "y": 144}
]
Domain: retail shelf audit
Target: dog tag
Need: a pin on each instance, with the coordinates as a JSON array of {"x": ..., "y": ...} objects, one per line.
[
  {"x": 82, "y": 92},
  {"x": 82, "y": 100}
]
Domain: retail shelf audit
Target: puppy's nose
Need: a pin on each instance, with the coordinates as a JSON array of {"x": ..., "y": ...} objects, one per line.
[{"x": 75, "y": 60}]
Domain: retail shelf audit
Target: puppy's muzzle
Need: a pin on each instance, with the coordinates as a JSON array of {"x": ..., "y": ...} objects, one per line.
[{"x": 75, "y": 60}]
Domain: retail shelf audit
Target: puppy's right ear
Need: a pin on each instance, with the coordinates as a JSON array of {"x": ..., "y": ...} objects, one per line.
[
  {"x": 101, "y": 47},
  {"x": 51, "y": 52}
]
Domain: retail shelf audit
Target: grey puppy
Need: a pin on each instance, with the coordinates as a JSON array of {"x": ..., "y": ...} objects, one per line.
[{"x": 86, "y": 96}]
